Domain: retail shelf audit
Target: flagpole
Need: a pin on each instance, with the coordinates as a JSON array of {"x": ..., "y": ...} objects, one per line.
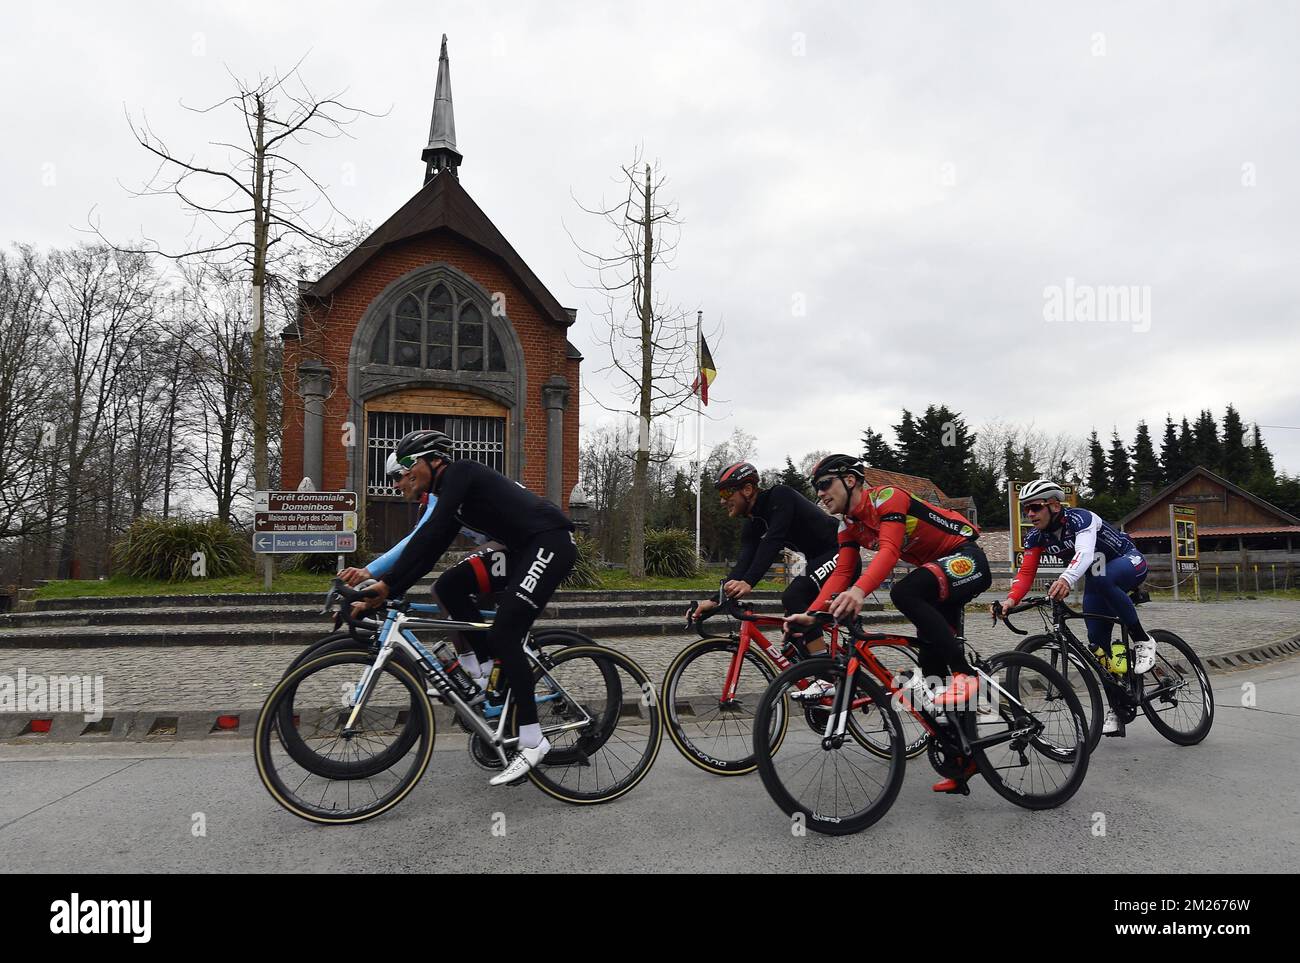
[{"x": 699, "y": 467}]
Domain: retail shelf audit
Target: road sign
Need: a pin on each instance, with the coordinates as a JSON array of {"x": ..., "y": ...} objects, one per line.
[
  {"x": 305, "y": 502},
  {"x": 305, "y": 521},
  {"x": 333, "y": 543}
]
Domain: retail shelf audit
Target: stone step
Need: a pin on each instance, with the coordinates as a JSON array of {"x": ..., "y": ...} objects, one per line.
[
  {"x": 242, "y": 614},
  {"x": 301, "y": 634},
  {"x": 419, "y": 592}
]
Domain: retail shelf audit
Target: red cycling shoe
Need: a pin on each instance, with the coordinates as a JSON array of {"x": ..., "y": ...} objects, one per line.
[
  {"x": 951, "y": 785},
  {"x": 960, "y": 693}
]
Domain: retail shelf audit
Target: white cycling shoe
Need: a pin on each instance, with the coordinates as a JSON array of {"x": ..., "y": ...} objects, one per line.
[
  {"x": 523, "y": 761},
  {"x": 1144, "y": 655},
  {"x": 1110, "y": 724}
]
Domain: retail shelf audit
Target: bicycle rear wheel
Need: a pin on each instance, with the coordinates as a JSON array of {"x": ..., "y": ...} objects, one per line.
[
  {"x": 717, "y": 737},
  {"x": 613, "y": 751},
  {"x": 322, "y": 692},
  {"x": 1028, "y": 732},
  {"x": 1176, "y": 693},
  {"x": 1078, "y": 674},
  {"x": 834, "y": 785}
]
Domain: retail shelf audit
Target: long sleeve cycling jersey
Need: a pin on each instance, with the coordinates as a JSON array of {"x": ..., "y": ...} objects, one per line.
[
  {"x": 899, "y": 526},
  {"x": 474, "y": 496},
  {"x": 1079, "y": 532},
  {"x": 781, "y": 518},
  {"x": 381, "y": 566}
]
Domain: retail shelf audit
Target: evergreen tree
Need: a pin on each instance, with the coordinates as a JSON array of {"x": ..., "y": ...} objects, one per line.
[
  {"x": 1206, "y": 447},
  {"x": 1170, "y": 459},
  {"x": 1186, "y": 449},
  {"x": 913, "y": 458},
  {"x": 1234, "y": 460},
  {"x": 1263, "y": 474},
  {"x": 953, "y": 448},
  {"x": 1098, "y": 478},
  {"x": 1146, "y": 468},
  {"x": 877, "y": 453},
  {"x": 990, "y": 498},
  {"x": 1121, "y": 477},
  {"x": 796, "y": 479}
]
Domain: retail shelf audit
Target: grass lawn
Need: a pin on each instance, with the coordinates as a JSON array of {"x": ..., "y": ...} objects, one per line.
[{"x": 306, "y": 582}]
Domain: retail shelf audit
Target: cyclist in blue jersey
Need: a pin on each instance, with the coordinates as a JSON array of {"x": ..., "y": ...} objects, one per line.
[{"x": 1098, "y": 551}]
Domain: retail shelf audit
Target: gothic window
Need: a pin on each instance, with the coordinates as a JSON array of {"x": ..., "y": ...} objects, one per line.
[{"x": 440, "y": 329}]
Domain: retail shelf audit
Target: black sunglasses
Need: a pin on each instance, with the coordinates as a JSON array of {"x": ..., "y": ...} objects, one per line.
[
  {"x": 1036, "y": 507},
  {"x": 824, "y": 483}
]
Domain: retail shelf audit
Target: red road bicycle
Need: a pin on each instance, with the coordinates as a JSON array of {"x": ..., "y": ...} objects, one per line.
[
  {"x": 713, "y": 685},
  {"x": 1025, "y": 733}
]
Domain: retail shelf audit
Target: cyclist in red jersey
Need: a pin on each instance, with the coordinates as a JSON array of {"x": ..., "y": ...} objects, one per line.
[{"x": 951, "y": 568}]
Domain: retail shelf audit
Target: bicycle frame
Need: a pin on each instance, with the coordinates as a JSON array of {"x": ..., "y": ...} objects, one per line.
[
  {"x": 863, "y": 659},
  {"x": 397, "y": 634},
  {"x": 1128, "y": 696}
]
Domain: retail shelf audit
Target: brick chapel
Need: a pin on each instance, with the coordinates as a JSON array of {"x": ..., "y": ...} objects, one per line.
[{"x": 434, "y": 321}]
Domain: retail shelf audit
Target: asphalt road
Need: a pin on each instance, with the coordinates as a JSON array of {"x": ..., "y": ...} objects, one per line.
[{"x": 1231, "y": 804}]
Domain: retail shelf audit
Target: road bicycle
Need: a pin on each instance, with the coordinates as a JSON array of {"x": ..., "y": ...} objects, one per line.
[
  {"x": 1031, "y": 750},
  {"x": 1175, "y": 694},
  {"x": 347, "y": 735},
  {"x": 713, "y": 685}
]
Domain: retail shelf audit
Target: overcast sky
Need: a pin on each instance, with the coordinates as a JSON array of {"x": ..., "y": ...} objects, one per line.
[{"x": 918, "y": 177}]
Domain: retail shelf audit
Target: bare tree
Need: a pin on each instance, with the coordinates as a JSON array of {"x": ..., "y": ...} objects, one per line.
[
  {"x": 96, "y": 299},
  {"x": 27, "y": 419},
  {"x": 254, "y": 200},
  {"x": 651, "y": 346}
]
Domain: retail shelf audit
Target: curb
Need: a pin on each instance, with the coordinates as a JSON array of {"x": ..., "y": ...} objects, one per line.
[{"x": 182, "y": 725}]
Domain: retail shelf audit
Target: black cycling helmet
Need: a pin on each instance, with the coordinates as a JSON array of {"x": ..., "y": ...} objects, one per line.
[
  {"x": 837, "y": 465},
  {"x": 427, "y": 443},
  {"x": 733, "y": 476}
]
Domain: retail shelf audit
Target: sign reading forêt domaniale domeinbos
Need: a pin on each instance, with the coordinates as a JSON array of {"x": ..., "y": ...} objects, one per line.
[{"x": 305, "y": 502}]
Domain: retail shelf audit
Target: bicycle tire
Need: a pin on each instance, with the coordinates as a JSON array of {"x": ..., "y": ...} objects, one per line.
[
  {"x": 716, "y": 759},
  {"x": 266, "y": 735},
  {"x": 804, "y": 751},
  {"x": 1159, "y": 718},
  {"x": 611, "y": 710},
  {"x": 1020, "y": 665}
]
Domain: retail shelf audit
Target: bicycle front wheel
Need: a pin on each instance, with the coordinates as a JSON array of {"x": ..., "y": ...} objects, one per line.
[
  {"x": 714, "y": 734},
  {"x": 1176, "y": 693},
  {"x": 830, "y": 782},
  {"x": 600, "y": 712},
  {"x": 330, "y": 788},
  {"x": 1028, "y": 733},
  {"x": 1078, "y": 675}
]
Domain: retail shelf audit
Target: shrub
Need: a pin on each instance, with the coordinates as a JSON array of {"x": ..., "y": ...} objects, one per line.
[
  {"x": 586, "y": 567},
  {"x": 670, "y": 552},
  {"x": 164, "y": 548}
]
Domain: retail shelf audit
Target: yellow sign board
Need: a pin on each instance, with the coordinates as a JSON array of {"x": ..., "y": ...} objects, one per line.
[{"x": 1185, "y": 547}]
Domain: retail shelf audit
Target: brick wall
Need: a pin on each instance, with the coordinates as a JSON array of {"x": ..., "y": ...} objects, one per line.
[{"x": 327, "y": 337}]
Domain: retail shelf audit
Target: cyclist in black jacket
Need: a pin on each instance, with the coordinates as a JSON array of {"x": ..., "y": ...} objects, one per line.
[
  {"x": 776, "y": 518},
  {"x": 539, "y": 553}
]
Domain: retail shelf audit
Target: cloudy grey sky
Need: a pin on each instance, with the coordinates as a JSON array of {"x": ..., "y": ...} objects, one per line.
[{"x": 916, "y": 176}]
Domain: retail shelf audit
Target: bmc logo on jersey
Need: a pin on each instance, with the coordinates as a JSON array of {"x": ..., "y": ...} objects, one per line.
[{"x": 535, "y": 570}]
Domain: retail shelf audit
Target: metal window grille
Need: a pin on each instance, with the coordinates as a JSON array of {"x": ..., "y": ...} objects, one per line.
[{"x": 477, "y": 438}]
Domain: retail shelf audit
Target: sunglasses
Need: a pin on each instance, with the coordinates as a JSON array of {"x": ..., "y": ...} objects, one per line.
[
  {"x": 725, "y": 493},
  {"x": 824, "y": 484},
  {"x": 1036, "y": 507}
]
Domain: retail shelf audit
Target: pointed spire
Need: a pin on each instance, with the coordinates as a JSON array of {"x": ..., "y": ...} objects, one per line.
[{"x": 441, "y": 154}]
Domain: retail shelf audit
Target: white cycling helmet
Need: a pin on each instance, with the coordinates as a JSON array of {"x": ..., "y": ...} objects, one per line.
[{"x": 1041, "y": 488}]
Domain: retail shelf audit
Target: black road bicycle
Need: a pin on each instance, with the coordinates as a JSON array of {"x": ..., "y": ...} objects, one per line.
[{"x": 1175, "y": 695}]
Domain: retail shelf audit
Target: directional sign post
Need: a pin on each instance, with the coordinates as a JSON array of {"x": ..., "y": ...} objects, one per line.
[{"x": 286, "y": 523}]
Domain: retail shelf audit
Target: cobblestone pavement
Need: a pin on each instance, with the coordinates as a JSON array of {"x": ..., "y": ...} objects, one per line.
[{"x": 230, "y": 677}]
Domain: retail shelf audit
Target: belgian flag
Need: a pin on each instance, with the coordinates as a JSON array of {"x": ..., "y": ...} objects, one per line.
[{"x": 707, "y": 372}]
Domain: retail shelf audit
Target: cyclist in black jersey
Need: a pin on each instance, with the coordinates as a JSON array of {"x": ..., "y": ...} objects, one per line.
[
  {"x": 539, "y": 553},
  {"x": 776, "y": 518}
]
